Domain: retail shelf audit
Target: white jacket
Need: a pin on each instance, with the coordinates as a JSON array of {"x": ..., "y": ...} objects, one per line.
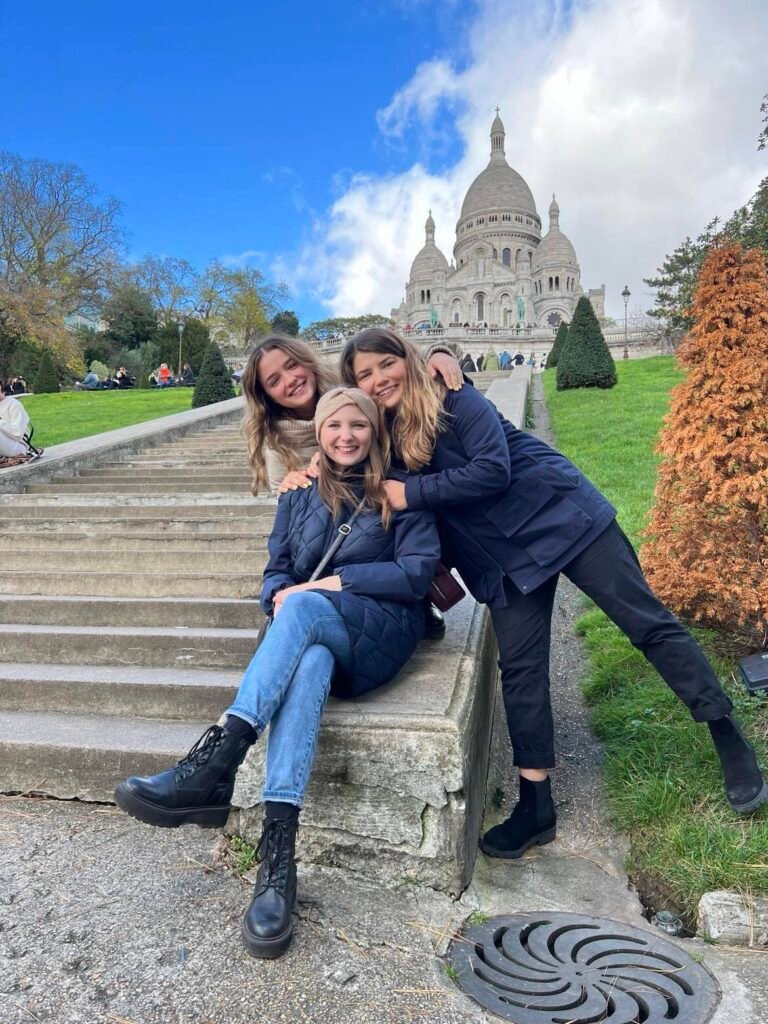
[{"x": 14, "y": 419}]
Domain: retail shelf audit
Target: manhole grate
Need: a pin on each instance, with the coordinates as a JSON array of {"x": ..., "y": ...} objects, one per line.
[{"x": 572, "y": 969}]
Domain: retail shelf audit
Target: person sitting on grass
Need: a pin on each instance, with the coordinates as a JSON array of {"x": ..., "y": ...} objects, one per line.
[
  {"x": 123, "y": 379},
  {"x": 346, "y": 632},
  {"x": 90, "y": 382},
  {"x": 14, "y": 429}
]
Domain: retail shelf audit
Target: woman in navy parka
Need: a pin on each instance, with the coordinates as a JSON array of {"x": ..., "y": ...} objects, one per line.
[
  {"x": 513, "y": 514},
  {"x": 347, "y": 632}
]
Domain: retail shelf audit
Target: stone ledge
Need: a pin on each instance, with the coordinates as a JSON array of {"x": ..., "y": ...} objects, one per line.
[
  {"x": 399, "y": 779},
  {"x": 69, "y": 458},
  {"x": 733, "y": 918}
]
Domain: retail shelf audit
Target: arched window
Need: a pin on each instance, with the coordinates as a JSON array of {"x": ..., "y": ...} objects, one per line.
[
  {"x": 422, "y": 294},
  {"x": 480, "y": 306},
  {"x": 455, "y": 318},
  {"x": 557, "y": 282},
  {"x": 506, "y": 257},
  {"x": 550, "y": 284},
  {"x": 495, "y": 254},
  {"x": 428, "y": 296}
]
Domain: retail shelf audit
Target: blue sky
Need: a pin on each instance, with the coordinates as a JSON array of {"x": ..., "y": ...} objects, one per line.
[{"x": 312, "y": 138}]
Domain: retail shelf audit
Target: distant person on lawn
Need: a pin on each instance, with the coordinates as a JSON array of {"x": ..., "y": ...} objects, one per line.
[
  {"x": 90, "y": 382},
  {"x": 14, "y": 428}
]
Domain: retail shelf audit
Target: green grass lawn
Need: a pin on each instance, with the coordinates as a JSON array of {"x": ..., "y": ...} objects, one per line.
[
  {"x": 73, "y": 414},
  {"x": 661, "y": 773}
]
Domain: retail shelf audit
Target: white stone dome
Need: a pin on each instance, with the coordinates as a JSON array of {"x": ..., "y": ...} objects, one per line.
[
  {"x": 499, "y": 186},
  {"x": 429, "y": 259},
  {"x": 555, "y": 248}
]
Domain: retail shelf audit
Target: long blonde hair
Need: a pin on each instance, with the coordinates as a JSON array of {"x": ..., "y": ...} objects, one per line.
[
  {"x": 337, "y": 486},
  {"x": 260, "y": 427},
  {"x": 420, "y": 416}
]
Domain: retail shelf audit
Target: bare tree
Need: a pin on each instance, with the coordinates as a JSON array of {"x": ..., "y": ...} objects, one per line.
[
  {"x": 56, "y": 232},
  {"x": 172, "y": 284}
]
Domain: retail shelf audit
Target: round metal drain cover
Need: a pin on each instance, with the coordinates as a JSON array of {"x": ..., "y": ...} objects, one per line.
[{"x": 571, "y": 969}]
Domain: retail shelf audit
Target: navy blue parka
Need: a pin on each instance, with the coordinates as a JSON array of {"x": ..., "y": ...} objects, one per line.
[
  {"x": 384, "y": 574},
  {"x": 508, "y": 504}
]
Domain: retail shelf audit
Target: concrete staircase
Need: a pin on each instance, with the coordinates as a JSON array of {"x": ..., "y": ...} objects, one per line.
[{"x": 128, "y": 611}]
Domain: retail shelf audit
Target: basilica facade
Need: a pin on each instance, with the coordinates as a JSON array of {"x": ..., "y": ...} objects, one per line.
[{"x": 504, "y": 273}]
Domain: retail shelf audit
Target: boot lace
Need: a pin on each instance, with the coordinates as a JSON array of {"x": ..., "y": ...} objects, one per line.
[
  {"x": 200, "y": 752},
  {"x": 275, "y": 848}
]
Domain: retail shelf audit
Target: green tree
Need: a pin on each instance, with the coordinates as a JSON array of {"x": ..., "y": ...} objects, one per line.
[
  {"x": 130, "y": 316},
  {"x": 214, "y": 383},
  {"x": 585, "y": 360},
  {"x": 47, "y": 380},
  {"x": 343, "y": 326},
  {"x": 557, "y": 348},
  {"x": 676, "y": 279},
  {"x": 762, "y": 138},
  {"x": 195, "y": 340},
  {"x": 286, "y": 322}
]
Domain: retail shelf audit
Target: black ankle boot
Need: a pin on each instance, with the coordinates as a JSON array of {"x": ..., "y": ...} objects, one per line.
[
  {"x": 197, "y": 790},
  {"x": 267, "y": 927},
  {"x": 532, "y": 823},
  {"x": 434, "y": 623},
  {"x": 745, "y": 787}
]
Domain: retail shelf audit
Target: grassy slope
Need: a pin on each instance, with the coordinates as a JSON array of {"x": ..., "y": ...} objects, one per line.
[
  {"x": 73, "y": 414},
  {"x": 661, "y": 773}
]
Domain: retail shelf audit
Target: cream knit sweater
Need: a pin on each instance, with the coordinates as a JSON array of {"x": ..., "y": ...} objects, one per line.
[{"x": 300, "y": 435}]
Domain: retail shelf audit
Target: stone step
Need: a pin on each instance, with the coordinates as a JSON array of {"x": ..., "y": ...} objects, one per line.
[
  {"x": 151, "y": 559},
  {"x": 131, "y": 584},
  {"x": 81, "y": 541},
  {"x": 122, "y": 692},
  {"x": 175, "y": 646},
  {"x": 221, "y": 613},
  {"x": 85, "y": 756},
  {"x": 190, "y": 472},
  {"x": 73, "y": 510},
  {"x": 96, "y": 526},
  {"x": 140, "y": 486}
]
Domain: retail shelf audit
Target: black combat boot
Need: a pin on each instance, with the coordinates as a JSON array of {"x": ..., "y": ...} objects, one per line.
[
  {"x": 745, "y": 787},
  {"x": 434, "y": 623},
  {"x": 532, "y": 823},
  {"x": 267, "y": 927},
  {"x": 197, "y": 790}
]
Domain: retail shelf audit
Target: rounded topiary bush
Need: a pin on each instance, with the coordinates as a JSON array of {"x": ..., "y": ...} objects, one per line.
[
  {"x": 585, "y": 360},
  {"x": 214, "y": 383},
  {"x": 47, "y": 380},
  {"x": 557, "y": 349}
]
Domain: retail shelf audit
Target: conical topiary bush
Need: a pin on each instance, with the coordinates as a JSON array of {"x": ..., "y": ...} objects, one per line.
[
  {"x": 585, "y": 361},
  {"x": 557, "y": 348},
  {"x": 214, "y": 384},
  {"x": 47, "y": 380}
]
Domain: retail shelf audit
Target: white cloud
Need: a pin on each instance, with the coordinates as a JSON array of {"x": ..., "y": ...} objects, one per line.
[{"x": 642, "y": 115}]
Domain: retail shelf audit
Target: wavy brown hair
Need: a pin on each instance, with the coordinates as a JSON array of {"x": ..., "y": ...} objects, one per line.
[
  {"x": 260, "y": 427},
  {"x": 420, "y": 416},
  {"x": 339, "y": 488}
]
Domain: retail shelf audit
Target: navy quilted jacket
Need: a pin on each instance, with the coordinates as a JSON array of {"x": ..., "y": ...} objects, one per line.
[{"x": 385, "y": 575}]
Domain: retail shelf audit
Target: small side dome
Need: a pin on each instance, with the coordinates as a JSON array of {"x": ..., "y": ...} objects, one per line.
[{"x": 429, "y": 259}]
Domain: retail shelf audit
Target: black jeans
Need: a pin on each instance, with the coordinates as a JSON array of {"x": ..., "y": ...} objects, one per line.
[{"x": 609, "y": 572}]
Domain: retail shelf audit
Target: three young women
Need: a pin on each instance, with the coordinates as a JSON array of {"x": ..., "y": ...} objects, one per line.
[
  {"x": 347, "y": 632},
  {"x": 513, "y": 514}
]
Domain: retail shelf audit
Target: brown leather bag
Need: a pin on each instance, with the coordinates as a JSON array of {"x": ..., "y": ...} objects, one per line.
[{"x": 445, "y": 590}]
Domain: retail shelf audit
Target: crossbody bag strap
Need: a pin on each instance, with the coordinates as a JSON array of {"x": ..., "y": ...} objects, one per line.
[{"x": 343, "y": 531}]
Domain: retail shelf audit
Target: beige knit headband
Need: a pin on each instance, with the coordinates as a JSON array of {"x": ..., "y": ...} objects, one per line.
[{"x": 336, "y": 398}]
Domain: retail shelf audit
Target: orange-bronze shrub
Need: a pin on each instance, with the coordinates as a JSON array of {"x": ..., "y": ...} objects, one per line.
[{"x": 707, "y": 550}]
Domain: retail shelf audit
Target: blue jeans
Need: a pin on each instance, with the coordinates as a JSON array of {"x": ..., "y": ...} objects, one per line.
[{"x": 286, "y": 686}]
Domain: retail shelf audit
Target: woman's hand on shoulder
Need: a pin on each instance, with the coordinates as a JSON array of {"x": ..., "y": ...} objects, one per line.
[
  {"x": 293, "y": 481},
  {"x": 440, "y": 364},
  {"x": 395, "y": 492}
]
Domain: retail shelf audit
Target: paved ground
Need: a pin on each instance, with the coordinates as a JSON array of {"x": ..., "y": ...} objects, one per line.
[{"x": 105, "y": 921}]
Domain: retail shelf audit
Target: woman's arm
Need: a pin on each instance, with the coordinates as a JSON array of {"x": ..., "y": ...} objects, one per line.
[
  {"x": 477, "y": 426},
  {"x": 279, "y": 569},
  {"x": 407, "y": 577}
]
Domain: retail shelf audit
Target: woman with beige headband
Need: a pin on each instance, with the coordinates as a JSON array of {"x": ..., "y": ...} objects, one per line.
[{"x": 346, "y": 632}]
